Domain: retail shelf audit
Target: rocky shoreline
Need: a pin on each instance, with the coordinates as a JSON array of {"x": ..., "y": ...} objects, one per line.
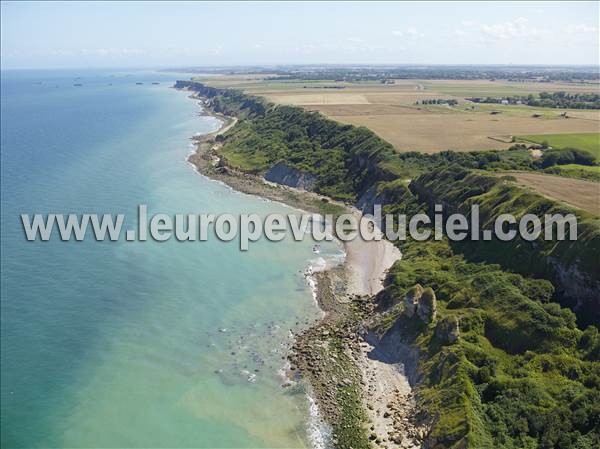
[{"x": 364, "y": 397}]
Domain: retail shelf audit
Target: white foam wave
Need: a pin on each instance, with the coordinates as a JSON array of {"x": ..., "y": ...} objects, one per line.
[{"x": 318, "y": 431}]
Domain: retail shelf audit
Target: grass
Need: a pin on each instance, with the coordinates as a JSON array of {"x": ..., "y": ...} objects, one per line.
[
  {"x": 582, "y": 141},
  {"x": 575, "y": 171},
  {"x": 247, "y": 161}
]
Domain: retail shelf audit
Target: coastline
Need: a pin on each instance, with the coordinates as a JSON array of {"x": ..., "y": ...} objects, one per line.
[
  {"x": 367, "y": 381},
  {"x": 368, "y": 261}
]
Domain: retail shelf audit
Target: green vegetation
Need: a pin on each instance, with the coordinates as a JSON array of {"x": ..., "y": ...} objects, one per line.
[
  {"x": 583, "y": 141},
  {"x": 567, "y": 156},
  {"x": 345, "y": 159},
  {"x": 450, "y": 102},
  {"x": 458, "y": 189},
  {"x": 568, "y": 162},
  {"x": 576, "y": 171},
  {"x": 351, "y": 430},
  {"x": 562, "y": 100},
  {"x": 521, "y": 375},
  {"x": 572, "y": 155}
]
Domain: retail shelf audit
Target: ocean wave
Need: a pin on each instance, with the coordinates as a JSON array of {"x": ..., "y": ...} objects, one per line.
[{"x": 319, "y": 432}]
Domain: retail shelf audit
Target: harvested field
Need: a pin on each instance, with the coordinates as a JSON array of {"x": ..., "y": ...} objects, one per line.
[
  {"x": 318, "y": 99},
  {"x": 332, "y": 110},
  {"x": 575, "y": 192},
  {"x": 431, "y": 132},
  {"x": 390, "y": 110}
]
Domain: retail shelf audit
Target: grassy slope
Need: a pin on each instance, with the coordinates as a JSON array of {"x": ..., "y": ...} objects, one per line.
[
  {"x": 521, "y": 374},
  {"x": 461, "y": 188},
  {"x": 576, "y": 171}
]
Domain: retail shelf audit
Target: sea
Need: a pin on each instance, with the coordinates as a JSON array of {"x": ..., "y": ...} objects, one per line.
[{"x": 139, "y": 344}]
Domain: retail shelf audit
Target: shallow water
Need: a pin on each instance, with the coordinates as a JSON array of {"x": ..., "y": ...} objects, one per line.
[{"x": 136, "y": 344}]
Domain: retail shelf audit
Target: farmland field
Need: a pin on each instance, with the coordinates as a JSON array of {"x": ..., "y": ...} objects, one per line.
[
  {"x": 575, "y": 192},
  {"x": 391, "y": 110},
  {"x": 484, "y": 88},
  {"x": 433, "y": 132},
  {"x": 582, "y": 141}
]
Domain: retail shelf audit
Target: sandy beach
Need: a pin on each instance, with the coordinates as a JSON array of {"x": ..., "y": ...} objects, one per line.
[
  {"x": 369, "y": 261},
  {"x": 379, "y": 380}
]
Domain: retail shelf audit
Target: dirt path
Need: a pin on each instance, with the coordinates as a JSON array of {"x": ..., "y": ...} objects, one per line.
[{"x": 575, "y": 192}]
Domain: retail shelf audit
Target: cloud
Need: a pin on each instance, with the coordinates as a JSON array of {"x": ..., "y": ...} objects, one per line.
[
  {"x": 580, "y": 29},
  {"x": 517, "y": 28},
  {"x": 466, "y": 28},
  {"x": 307, "y": 49},
  {"x": 410, "y": 31},
  {"x": 215, "y": 50},
  {"x": 108, "y": 52}
]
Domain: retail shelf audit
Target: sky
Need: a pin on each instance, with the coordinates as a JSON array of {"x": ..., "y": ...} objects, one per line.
[{"x": 172, "y": 34}]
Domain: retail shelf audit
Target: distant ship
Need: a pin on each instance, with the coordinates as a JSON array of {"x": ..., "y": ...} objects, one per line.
[
  {"x": 155, "y": 83},
  {"x": 77, "y": 85}
]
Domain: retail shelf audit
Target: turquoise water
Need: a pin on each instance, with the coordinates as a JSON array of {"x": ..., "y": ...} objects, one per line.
[{"x": 136, "y": 344}]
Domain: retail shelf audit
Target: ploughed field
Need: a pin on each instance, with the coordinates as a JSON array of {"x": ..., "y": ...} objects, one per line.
[{"x": 391, "y": 110}]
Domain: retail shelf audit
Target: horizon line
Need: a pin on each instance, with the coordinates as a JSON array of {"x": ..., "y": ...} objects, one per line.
[{"x": 307, "y": 64}]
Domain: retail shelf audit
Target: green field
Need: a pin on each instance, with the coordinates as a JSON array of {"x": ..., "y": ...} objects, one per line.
[{"x": 582, "y": 141}]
